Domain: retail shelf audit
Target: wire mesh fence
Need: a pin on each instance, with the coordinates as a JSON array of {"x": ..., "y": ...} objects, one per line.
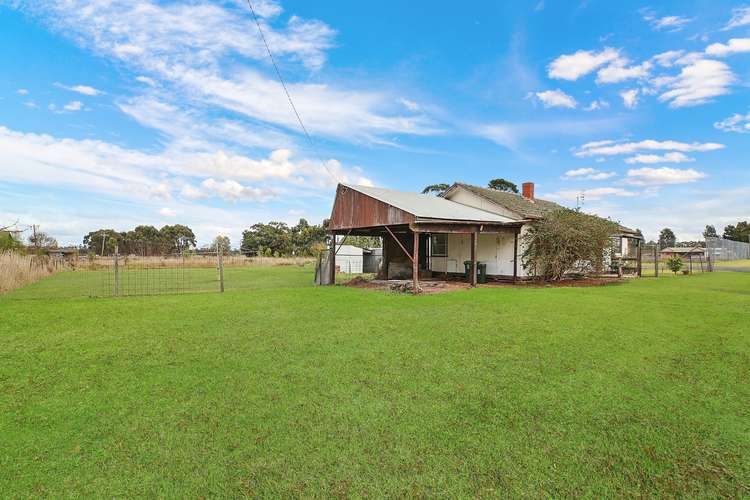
[
  {"x": 722, "y": 250},
  {"x": 161, "y": 274},
  {"x": 656, "y": 260}
]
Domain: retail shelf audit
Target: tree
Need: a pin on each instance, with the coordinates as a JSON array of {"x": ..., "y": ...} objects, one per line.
[
  {"x": 740, "y": 232},
  {"x": 41, "y": 240},
  {"x": 667, "y": 238},
  {"x": 710, "y": 232},
  {"x": 267, "y": 239},
  {"x": 435, "y": 189},
  {"x": 177, "y": 238},
  {"x": 564, "y": 241},
  {"x": 10, "y": 242},
  {"x": 502, "y": 185},
  {"x": 222, "y": 244},
  {"x": 103, "y": 241},
  {"x": 306, "y": 238},
  {"x": 674, "y": 264}
]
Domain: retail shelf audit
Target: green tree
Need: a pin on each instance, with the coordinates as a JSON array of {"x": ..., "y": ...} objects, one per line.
[
  {"x": 222, "y": 244},
  {"x": 10, "y": 242},
  {"x": 667, "y": 238},
  {"x": 566, "y": 241},
  {"x": 710, "y": 232},
  {"x": 740, "y": 232},
  {"x": 435, "y": 188},
  {"x": 103, "y": 241},
  {"x": 307, "y": 239},
  {"x": 502, "y": 185},
  {"x": 177, "y": 238},
  {"x": 273, "y": 238}
]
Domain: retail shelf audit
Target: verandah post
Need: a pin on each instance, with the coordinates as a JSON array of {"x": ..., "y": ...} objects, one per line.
[
  {"x": 474, "y": 258},
  {"x": 415, "y": 263}
]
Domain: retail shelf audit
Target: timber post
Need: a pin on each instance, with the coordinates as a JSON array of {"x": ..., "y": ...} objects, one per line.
[
  {"x": 117, "y": 272},
  {"x": 332, "y": 260},
  {"x": 415, "y": 263},
  {"x": 220, "y": 265},
  {"x": 515, "y": 255},
  {"x": 474, "y": 239}
]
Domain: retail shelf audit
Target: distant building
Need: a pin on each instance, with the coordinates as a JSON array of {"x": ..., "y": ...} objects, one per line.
[
  {"x": 349, "y": 259},
  {"x": 683, "y": 252}
]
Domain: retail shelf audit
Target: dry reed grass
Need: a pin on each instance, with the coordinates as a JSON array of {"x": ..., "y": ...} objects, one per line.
[
  {"x": 20, "y": 270},
  {"x": 193, "y": 261}
]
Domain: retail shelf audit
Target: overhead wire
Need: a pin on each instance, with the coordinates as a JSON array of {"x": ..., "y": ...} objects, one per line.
[{"x": 288, "y": 94}]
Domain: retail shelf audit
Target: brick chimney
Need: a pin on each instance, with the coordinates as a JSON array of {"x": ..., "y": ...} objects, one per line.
[{"x": 528, "y": 190}]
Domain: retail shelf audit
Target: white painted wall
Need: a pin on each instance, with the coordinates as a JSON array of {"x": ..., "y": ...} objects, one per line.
[{"x": 494, "y": 249}]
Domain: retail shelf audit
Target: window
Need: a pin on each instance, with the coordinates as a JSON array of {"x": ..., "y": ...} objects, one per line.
[{"x": 439, "y": 245}]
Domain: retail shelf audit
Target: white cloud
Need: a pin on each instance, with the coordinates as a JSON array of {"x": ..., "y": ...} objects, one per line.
[
  {"x": 581, "y": 63},
  {"x": 734, "y": 46},
  {"x": 658, "y": 176},
  {"x": 145, "y": 79},
  {"x": 22, "y": 92},
  {"x": 410, "y": 105},
  {"x": 619, "y": 72},
  {"x": 592, "y": 194},
  {"x": 207, "y": 54},
  {"x": 667, "y": 59},
  {"x": 513, "y": 134},
  {"x": 556, "y": 99},
  {"x": 611, "y": 148},
  {"x": 740, "y": 17},
  {"x": 81, "y": 89},
  {"x": 670, "y": 23},
  {"x": 697, "y": 83},
  {"x": 597, "y": 104},
  {"x": 233, "y": 190},
  {"x": 735, "y": 123},
  {"x": 673, "y": 157},
  {"x": 73, "y": 106},
  {"x": 192, "y": 193},
  {"x": 629, "y": 98},
  {"x": 168, "y": 212},
  {"x": 589, "y": 174},
  {"x": 100, "y": 167},
  {"x": 30, "y": 104}
]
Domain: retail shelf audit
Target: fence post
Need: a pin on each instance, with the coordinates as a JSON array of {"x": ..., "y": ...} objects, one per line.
[
  {"x": 221, "y": 269},
  {"x": 117, "y": 272},
  {"x": 656, "y": 261}
]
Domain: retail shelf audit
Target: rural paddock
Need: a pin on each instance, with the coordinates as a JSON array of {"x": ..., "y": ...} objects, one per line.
[{"x": 283, "y": 389}]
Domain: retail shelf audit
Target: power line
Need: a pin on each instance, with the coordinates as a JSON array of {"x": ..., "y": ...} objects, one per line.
[{"x": 288, "y": 95}]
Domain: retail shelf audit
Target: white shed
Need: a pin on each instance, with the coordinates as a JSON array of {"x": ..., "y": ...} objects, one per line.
[{"x": 349, "y": 259}]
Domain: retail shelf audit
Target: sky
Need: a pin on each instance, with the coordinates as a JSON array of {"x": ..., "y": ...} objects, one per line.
[{"x": 120, "y": 113}]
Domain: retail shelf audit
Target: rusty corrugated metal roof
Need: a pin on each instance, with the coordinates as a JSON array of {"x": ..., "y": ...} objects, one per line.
[{"x": 429, "y": 207}]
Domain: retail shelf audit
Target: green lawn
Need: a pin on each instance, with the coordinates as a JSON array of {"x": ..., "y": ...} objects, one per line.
[{"x": 282, "y": 389}]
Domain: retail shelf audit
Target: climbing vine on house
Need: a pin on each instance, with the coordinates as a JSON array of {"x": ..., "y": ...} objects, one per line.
[{"x": 567, "y": 241}]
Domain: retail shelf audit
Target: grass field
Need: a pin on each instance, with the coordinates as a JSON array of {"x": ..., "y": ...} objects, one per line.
[{"x": 283, "y": 389}]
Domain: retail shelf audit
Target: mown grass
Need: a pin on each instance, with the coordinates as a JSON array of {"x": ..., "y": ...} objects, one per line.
[{"x": 290, "y": 390}]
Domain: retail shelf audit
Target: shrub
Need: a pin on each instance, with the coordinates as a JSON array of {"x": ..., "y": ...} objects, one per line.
[
  {"x": 567, "y": 241},
  {"x": 674, "y": 264}
]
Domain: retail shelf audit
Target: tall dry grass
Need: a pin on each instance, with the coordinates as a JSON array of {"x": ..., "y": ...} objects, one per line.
[
  {"x": 20, "y": 270},
  {"x": 192, "y": 261}
]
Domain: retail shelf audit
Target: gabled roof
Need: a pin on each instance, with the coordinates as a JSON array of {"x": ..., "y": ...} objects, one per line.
[
  {"x": 516, "y": 203},
  {"x": 511, "y": 201},
  {"x": 427, "y": 207}
]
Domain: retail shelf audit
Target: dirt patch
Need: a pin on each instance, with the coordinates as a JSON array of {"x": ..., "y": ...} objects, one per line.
[
  {"x": 407, "y": 286},
  {"x": 440, "y": 286}
]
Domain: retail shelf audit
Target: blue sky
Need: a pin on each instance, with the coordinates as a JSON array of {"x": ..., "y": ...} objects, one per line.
[{"x": 119, "y": 113}]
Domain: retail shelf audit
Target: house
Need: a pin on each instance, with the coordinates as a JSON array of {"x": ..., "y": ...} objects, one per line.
[
  {"x": 686, "y": 253},
  {"x": 425, "y": 235}
]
